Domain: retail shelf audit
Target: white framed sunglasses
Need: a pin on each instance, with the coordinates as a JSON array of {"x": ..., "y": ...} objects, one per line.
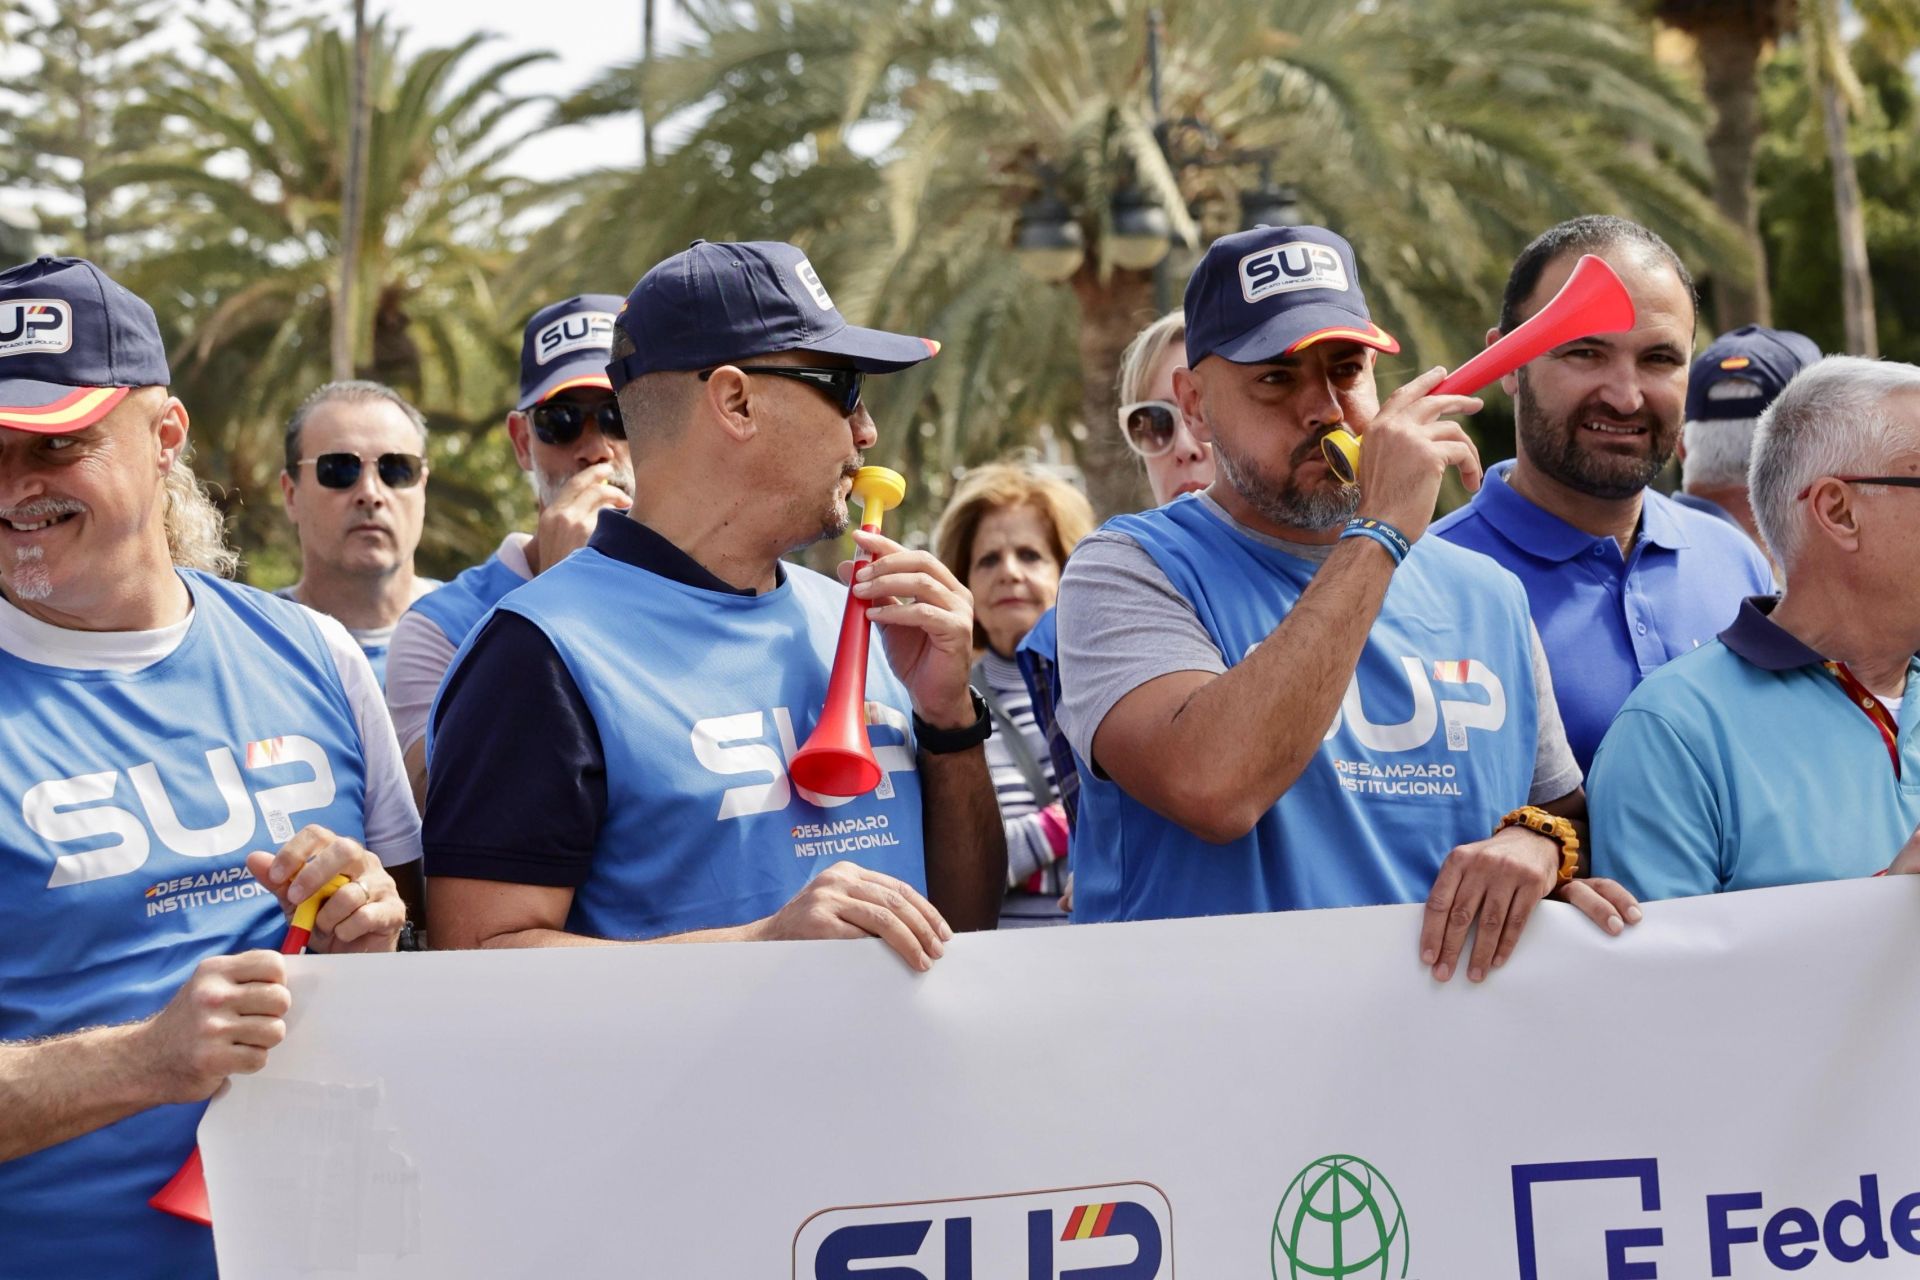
[{"x": 1148, "y": 426}]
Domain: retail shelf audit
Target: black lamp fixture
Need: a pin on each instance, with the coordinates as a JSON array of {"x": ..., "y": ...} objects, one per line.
[
  {"x": 1141, "y": 232},
  {"x": 1268, "y": 206},
  {"x": 1046, "y": 239}
]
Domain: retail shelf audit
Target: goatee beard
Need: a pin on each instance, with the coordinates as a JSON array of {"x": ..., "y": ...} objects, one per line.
[{"x": 1309, "y": 510}]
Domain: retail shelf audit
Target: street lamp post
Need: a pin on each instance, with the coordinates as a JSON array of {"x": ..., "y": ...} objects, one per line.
[{"x": 1138, "y": 238}]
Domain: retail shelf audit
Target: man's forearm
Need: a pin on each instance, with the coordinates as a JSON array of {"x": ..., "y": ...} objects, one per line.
[
  {"x": 1274, "y": 708},
  {"x": 966, "y": 842},
  {"x": 57, "y": 1089}
]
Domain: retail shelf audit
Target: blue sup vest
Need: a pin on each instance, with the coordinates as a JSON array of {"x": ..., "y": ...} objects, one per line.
[
  {"x": 701, "y": 698},
  {"x": 131, "y": 803},
  {"x": 1434, "y": 741},
  {"x": 458, "y": 607}
]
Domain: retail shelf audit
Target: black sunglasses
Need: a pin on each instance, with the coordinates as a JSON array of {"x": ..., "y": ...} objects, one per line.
[
  {"x": 562, "y": 421},
  {"x": 342, "y": 470},
  {"x": 842, "y": 386},
  {"x": 1899, "y": 482}
]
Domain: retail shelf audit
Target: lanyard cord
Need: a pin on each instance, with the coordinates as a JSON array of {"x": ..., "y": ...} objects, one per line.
[{"x": 1874, "y": 709}]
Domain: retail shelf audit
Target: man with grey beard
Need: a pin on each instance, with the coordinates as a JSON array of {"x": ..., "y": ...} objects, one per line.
[
  {"x": 568, "y": 438},
  {"x": 1281, "y": 695},
  {"x": 1620, "y": 578},
  {"x": 183, "y": 760}
]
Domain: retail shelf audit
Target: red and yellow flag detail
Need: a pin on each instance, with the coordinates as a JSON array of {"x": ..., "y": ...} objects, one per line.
[
  {"x": 1452, "y": 672},
  {"x": 1735, "y": 362},
  {"x": 1088, "y": 1222},
  {"x": 83, "y": 408},
  {"x": 267, "y": 751}
]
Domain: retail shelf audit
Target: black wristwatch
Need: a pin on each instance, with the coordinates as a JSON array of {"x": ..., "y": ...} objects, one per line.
[{"x": 940, "y": 742}]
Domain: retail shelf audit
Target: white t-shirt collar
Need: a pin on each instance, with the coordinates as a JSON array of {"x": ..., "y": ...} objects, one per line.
[{"x": 25, "y": 636}]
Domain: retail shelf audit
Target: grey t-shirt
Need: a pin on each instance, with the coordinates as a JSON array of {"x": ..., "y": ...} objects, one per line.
[{"x": 1111, "y": 577}]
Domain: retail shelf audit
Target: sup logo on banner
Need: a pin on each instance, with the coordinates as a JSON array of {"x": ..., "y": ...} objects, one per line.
[
  {"x": 1340, "y": 1219},
  {"x": 1120, "y": 1231}
]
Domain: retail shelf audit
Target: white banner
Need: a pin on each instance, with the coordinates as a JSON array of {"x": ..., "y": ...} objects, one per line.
[{"x": 1727, "y": 1090}]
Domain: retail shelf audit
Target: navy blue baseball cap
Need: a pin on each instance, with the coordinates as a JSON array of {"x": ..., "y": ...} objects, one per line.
[
  {"x": 566, "y": 346},
  {"x": 72, "y": 344},
  {"x": 1262, "y": 294},
  {"x": 712, "y": 304},
  {"x": 1767, "y": 358}
]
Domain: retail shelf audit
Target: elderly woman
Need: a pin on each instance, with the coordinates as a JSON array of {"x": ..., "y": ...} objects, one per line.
[
  {"x": 1006, "y": 535},
  {"x": 1150, "y": 419}
]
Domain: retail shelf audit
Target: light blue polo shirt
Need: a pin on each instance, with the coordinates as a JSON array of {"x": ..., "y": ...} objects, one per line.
[
  {"x": 1607, "y": 621},
  {"x": 1746, "y": 765}
]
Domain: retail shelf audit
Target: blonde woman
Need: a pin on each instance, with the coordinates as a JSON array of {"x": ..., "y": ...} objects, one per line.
[
  {"x": 1006, "y": 535},
  {"x": 1150, "y": 420}
]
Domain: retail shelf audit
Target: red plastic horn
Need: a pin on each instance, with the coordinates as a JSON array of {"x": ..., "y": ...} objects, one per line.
[
  {"x": 1591, "y": 301},
  {"x": 838, "y": 759},
  {"x": 185, "y": 1195}
]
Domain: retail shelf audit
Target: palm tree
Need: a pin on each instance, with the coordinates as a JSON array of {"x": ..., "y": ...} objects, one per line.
[
  {"x": 1730, "y": 38},
  {"x": 896, "y": 142},
  {"x": 252, "y": 280},
  {"x": 75, "y": 110}
]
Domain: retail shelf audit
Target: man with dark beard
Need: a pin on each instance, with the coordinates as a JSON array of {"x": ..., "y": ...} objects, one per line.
[
  {"x": 568, "y": 439},
  {"x": 607, "y": 761},
  {"x": 1619, "y": 578},
  {"x": 1281, "y": 695}
]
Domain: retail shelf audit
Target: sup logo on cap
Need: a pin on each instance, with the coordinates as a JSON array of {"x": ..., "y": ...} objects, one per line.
[
  {"x": 1298, "y": 264},
  {"x": 582, "y": 330},
  {"x": 35, "y": 325},
  {"x": 811, "y": 279}
]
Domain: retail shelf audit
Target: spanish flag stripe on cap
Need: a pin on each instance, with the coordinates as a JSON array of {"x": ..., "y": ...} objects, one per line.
[
  {"x": 1735, "y": 362},
  {"x": 599, "y": 380},
  {"x": 1372, "y": 336},
  {"x": 1106, "y": 1217},
  {"x": 83, "y": 407}
]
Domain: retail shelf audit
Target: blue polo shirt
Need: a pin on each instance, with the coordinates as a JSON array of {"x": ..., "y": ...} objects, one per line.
[
  {"x": 1745, "y": 765},
  {"x": 1608, "y": 622}
]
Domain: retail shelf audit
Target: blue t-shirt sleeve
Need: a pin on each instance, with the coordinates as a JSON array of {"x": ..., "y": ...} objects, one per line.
[
  {"x": 1656, "y": 819},
  {"x": 517, "y": 790}
]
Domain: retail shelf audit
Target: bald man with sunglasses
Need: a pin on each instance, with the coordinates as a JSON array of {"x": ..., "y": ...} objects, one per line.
[
  {"x": 609, "y": 752},
  {"x": 568, "y": 438}
]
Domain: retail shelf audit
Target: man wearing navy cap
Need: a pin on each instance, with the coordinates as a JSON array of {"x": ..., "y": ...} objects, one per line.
[
  {"x": 608, "y": 756},
  {"x": 1730, "y": 385},
  {"x": 1283, "y": 695},
  {"x": 567, "y": 437},
  {"x": 165, "y": 730},
  {"x": 1620, "y": 578}
]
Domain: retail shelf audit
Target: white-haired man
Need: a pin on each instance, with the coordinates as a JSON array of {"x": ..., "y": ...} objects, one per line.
[
  {"x": 1730, "y": 385},
  {"x": 163, "y": 731},
  {"x": 1778, "y": 754},
  {"x": 568, "y": 438}
]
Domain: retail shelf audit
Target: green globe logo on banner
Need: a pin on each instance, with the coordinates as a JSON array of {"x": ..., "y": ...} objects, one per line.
[{"x": 1340, "y": 1220}]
